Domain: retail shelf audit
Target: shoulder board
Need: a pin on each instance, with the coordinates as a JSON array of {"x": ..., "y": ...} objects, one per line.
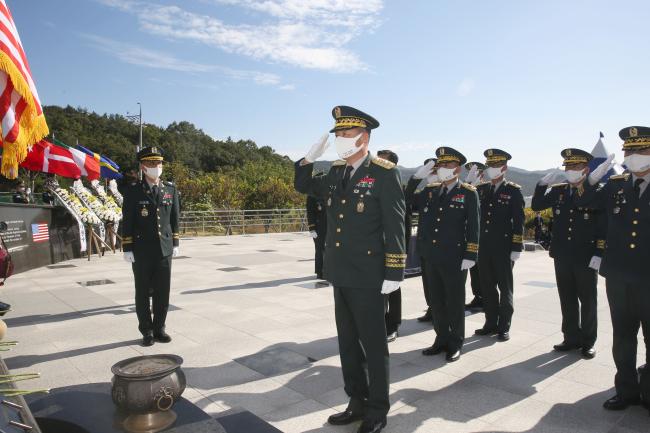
[
  {"x": 558, "y": 185},
  {"x": 338, "y": 162},
  {"x": 483, "y": 184},
  {"x": 383, "y": 163},
  {"x": 625, "y": 176},
  {"x": 468, "y": 186},
  {"x": 169, "y": 183},
  {"x": 514, "y": 184},
  {"x": 434, "y": 185}
]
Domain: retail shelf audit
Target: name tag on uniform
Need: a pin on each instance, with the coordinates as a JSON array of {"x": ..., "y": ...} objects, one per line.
[{"x": 143, "y": 202}]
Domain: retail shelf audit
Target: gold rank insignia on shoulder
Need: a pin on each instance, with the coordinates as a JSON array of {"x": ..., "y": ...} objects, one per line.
[
  {"x": 624, "y": 176},
  {"x": 383, "y": 163},
  {"x": 557, "y": 185},
  {"x": 433, "y": 184},
  {"x": 516, "y": 185},
  {"x": 338, "y": 162},
  {"x": 468, "y": 186}
]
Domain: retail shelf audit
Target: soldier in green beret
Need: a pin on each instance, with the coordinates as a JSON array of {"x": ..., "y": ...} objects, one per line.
[
  {"x": 364, "y": 258},
  {"x": 625, "y": 199},
  {"x": 150, "y": 238}
]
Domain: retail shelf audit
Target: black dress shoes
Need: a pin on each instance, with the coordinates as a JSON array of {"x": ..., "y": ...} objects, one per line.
[
  {"x": 503, "y": 336},
  {"x": 588, "y": 352},
  {"x": 162, "y": 337},
  {"x": 565, "y": 347},
  {"x": 485, "y": 331},
  {"x": 372, "y": 426},
  {"x": 434, "y": 350},
  {"x": 147, "y": 339},
  {"x": 344, "y": 418},
  {"x": 426, "y": 318},
  {"x": 391, "y": 337},
  {"x": 476, "y": 304},
  {"x": 619, "y": 403},
  {"x": 453, "y": 356}
]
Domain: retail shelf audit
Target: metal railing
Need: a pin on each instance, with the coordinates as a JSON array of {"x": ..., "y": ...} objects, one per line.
[{"x": 238, "y": 221}]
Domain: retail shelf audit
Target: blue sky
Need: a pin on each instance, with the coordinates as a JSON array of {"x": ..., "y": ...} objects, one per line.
[{"x": 531, "y": 77}]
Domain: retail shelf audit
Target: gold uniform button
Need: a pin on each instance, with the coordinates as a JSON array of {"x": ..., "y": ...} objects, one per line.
[
  {"x": 633, "y": 234},
  {"x": 570, "y": 220},
  {"x": 569, "y": 228},
  {"x": 636, "y": 210},
  {"x": 435, "y": 230},
  {"x": 159, "y": 234},
  {"x": 489, "y": 213},
  {"x": 632, "y": 246},
  {"x": 635, "y": 222},
  {"x": 338, "y": 230},
  {"x": 487, "y": 222},
  {"x": 490, "y": 204},
  {"x": 338, "y": 244},
  {"x": 343, "y": 201},
  {"x": 438, "y": 219},
  {"x": 434, "y": 241},
  {"x": 571, "y": 211},
  {"x": 569, "y": 238},
  {"x": 369, "y": 252},
  {"x": 486, "y": 230},
  {"x": 440, "y": 208},
  {"x": 341, "y": 216}
]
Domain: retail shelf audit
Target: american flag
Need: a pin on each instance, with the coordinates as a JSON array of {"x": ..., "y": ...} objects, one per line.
[
  {"x": 21, "y": 116},
  {"x": 40, "y": 232}
]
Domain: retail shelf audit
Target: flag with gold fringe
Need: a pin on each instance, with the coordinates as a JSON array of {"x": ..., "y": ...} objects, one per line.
[{"x": 22, "y": 121}]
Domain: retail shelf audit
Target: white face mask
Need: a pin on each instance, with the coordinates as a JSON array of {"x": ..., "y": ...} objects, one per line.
[
  {"x": 637, "y": 163},
  {"x": 153, "y": 172},
  {"x": 346, "y": 147},
  {"x": 494, "y": 172},
  {"x": 574, "y": 176},
  {"x": 445, "y": 174}
]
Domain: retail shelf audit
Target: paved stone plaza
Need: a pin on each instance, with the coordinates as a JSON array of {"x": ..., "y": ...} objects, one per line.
[{"x": 257, "y": 332}]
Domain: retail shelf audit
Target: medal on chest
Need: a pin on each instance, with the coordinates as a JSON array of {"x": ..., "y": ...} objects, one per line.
[
  {"x": 360, "y": 207},
  {"x": 144, "y": 212}
]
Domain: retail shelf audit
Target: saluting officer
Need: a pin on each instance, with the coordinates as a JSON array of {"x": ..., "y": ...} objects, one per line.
[
  {"x": 474, "y": 178},
  {"x": 317, "y": 222},
  {"x": 501, "y": 242},
  {"x": 625, "y": 200},
  {"x": 577, "y": 243},
  {"x": 415, "y": 201},
  {"x": 150, "y": 238},
  {"x": 364, "y": 258},
  {"x": 448, "y": 245}
]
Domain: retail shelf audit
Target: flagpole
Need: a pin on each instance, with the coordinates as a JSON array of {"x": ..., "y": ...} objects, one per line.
[{"x": 140, "y": 145}]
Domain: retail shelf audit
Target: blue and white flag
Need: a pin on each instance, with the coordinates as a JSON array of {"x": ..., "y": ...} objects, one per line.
[{"x": 600, "y": 154}]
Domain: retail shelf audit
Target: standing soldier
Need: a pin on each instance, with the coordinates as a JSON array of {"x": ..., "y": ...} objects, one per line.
[
  {"x": 448, "y": 245},
  {"x": 150, "y": 239},
  {"x": 317, "y": 222},
  {"x": 577, "y": 243},
  {"x": 474, "y": 178},
  {"x": 364, "y": 258},
  {"x": 501, "y": 242},
  {"x": 626, "y": 202},
  {"x": 415, "y": 200}
]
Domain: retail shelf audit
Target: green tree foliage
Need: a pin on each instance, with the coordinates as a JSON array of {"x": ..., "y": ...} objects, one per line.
[{"x": 210, "y": 174}]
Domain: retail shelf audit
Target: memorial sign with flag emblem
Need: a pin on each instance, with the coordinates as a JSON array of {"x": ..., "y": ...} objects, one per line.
[{"x": 40, "y": 232}]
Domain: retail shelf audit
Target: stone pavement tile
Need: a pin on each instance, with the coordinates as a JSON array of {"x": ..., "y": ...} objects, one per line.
[
  {"x": 336, "y": 398},
  {"x": 217, "y": 376},
  {"x": 590, "y": 373},
  {"x": 317, "y": 379},
  {"x": 240, "y": 345},
  {"x": 564, "y": 391},
  {"x": 202, "y": 401},
  {"x": 258, "y": 396},
  {"x": 635, "y": 419},
  {"x": 307, "y": 416},
  {"x": 101, "y": 361},
  {"x": 257, "y": 325},
  {"x": 422, "y": 417},
  {"x": 411, "y": 382},
  {"x": 467, "y": 364},
  {"x": 489, "y": 347},
  {"x": 512, "y": 378}
]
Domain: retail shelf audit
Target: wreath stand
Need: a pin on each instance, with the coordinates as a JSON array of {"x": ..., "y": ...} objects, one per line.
[
  {"x": 94, "y": 240},
  {"x": 113, "y": 237}
]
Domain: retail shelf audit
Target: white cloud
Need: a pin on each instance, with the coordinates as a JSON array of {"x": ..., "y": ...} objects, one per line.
[
  {"x": 309, "y": 34},
  {"x": 466, "y": 87},
  {"x": 129, "y": 53}
]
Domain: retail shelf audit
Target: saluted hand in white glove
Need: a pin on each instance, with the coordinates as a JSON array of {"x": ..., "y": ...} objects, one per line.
[
  {"x": 600, "y": 171},
  {"x": 594, "y": 263},
  {"x": 313, "y": 234},
  {"x": 317, "y": 149},
  {"x": 514, "y": 256},
  {"x": 473, "y": 175},
  {"x": 389, "y": 286},
  {"x": 467, "y": 264},
  {"x": 555, "y": 176},
  {"x": 176, "y": 251},
  {"x": 424, "y": 170}
]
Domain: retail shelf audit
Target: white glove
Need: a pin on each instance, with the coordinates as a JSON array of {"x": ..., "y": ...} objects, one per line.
[
  {"x": 129, "y": 257},
  {"x": 600, "y": 171},
  {"x": 595, "y": 263},
  {"x": 467, "y": 264},
  {"x": 432, "y": 178},
  {"x": 514, "y": 256},
  {"x": 175, "y": 251},
  {"x": 389, "y": 286},
  {"x": 424, "y": 170},
  {"x": 554, "y": 176},
  {"x": 313, "y": 234},
  {"x": 317, "y": 149},
  {"x": 473, "y": 175}
]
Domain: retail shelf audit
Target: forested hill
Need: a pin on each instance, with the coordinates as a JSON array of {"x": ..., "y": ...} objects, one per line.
[{"x": 116, "y": 137}]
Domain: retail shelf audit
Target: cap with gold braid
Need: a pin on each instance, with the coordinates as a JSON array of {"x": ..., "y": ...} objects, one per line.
[
  {"x": 348, "y": 117},
  {"x": 448, "y": 154},
  {"x": 496, "y": 155},
  {"x": 635, "y": 137},
  {"x": 151, "y": 153},
  {"x": 479, "y": 165},
  {"x": 576, "y": 156}
]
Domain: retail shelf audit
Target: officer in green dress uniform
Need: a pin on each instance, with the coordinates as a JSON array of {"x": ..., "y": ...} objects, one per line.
[
  {"x": 364, "y": 258},
  {"x": 150, "y": 238},
  {"x": 625, "y": 199},
  {"x": 474, "y": 178},
  {"x": 501, "y": 242},
  {"x": 577, "y": 243},
  {"x": 317, "y": 223},
  {"x": 448, "y": 244}
]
